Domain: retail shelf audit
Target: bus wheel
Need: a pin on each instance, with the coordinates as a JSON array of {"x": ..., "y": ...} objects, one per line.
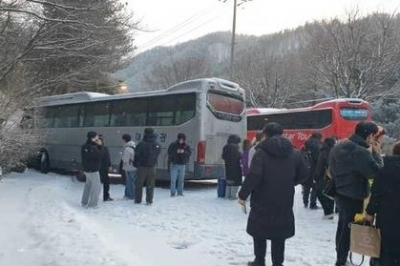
[{"x": 44, "y": 162}]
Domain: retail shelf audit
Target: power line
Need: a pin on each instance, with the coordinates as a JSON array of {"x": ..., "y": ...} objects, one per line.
[
  {"x": 190, "y": 31},
  {"x": 177, "y": 27}
]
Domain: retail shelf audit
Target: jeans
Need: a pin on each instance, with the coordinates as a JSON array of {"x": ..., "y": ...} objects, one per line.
[
  {"x": 177, "y": 176},
  {"x": 277, "y": 251},
  {"x": 348, "y": 208},
  {"x": 130, "y": 179},
  {"x": 91, "y": 192}
]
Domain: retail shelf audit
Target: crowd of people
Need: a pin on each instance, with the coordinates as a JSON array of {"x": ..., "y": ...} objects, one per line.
[
  {"x": 348, "y": 167},
  {"x": 266, "y": 172},
  {"x": 138, "y": 166}
]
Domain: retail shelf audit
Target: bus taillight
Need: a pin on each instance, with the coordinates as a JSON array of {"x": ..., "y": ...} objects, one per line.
[{"x": 201, "y": 152}]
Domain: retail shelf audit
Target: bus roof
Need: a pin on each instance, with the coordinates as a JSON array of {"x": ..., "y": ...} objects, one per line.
[
  {"x": 322, "y": 105},
  {"x": 79, "y": 97}
]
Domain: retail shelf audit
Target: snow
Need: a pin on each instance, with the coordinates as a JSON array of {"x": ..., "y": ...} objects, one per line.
[{"x": 42, "y": 223}]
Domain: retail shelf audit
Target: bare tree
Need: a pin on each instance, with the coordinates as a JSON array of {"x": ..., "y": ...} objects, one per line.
[
  {"x": 355, "y": 58},
  {"x": 73, "y": 44},
  {"x": 172, "y": 71},
  {"x": 51, "y": 47}
]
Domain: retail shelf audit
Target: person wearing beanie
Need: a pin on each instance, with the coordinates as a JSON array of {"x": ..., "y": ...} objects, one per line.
[
  {"x": 178, "y": 156},
  {"x": 352, "y": 163},
  {"x": 146, "y": 158},
  {"x": 91, "y": 158}
]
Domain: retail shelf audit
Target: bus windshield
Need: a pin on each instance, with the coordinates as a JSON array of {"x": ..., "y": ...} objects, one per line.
[{"x": 351, "y": 113}]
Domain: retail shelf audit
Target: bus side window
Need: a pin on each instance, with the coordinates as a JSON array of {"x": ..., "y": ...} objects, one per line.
[{"x": 97, "y": 115}]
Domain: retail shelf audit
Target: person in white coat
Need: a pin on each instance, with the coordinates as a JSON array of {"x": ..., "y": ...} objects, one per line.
[{"x": 128, "y": 155}]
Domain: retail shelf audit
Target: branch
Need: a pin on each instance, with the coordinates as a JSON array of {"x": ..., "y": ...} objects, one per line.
[
  {"x": 59, "y": 6},
  {"x": 42, "y": 17}
]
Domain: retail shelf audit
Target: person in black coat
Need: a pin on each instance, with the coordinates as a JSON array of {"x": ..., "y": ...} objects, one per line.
[
  {"x": 312, "y": 146},
  {"x": 275, "y": 170},
  {"x": 321, "y": 178},
  {"x": 232, "y": 156},
  {"x": 105, "y": 167},
  {"x": 146, "y": 159},
  {"x": 352, "y": 163},
  {"x": 385, "y": 204},
  {"x": 178, "y": 157},
  {"x": 91, "y": 158}
]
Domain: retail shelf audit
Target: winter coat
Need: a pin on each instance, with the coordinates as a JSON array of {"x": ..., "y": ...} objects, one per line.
[
  {"x": 252, "y": 152},
  {"x": 320, "y": 174},
  {"x": 245, "y": 162},
  {"x": 275, "y": 170},
  {"x": 233, "y": 170},
  {"x": 147, "y": 152},
  {"x": 313, "y": 146},
  {"x": 91, "y": 157},
  {"x": 128, "y": 156},
  {"x": 351, "y": 165},
  {"x": 385, "y": 203},
  {"x": 105, "y": 163},
  {"x": 178, "y": 158}
]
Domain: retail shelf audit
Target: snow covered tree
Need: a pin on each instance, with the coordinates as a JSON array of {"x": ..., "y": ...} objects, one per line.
[{"x": 51, "y": 47}]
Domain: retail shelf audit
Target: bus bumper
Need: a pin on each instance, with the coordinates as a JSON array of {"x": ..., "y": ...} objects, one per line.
[{"x": 208, "y": 171}]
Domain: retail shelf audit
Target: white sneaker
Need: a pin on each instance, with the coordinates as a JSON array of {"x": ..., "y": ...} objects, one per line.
[{"x": 329, "y": 217}]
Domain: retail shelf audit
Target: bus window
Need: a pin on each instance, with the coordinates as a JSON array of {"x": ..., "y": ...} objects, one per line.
[
  {"x": 316, "y": 119},
  {"x": 46, "y": 117},
  {"x": 66, "y": 116},
  {"x": 97, "y": 115},
  {"x": 349, "y": 113},
  {"x": 186, "y": 109},
  {"x": 224, "y": 106},
  {"x": 130, "y": 112},
  {"x": 161, "y": 111}
]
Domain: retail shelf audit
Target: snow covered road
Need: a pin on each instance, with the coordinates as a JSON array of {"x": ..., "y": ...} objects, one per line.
[{"x": 42, "y": 223}]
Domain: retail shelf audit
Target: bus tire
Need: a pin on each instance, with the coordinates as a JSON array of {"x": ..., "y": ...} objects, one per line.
[{"x": 44, "y": 164}]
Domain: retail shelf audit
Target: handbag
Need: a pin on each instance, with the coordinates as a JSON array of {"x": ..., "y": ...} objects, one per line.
[
  {"x": 330, "y": 189},
  {"x": 364, "y": 240}
]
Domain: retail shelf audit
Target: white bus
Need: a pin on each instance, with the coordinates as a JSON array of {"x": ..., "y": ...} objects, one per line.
[{"x": 206, "y": 110}]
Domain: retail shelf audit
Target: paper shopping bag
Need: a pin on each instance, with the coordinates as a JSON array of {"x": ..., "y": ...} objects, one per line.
[{"x": 365, "y": 240}]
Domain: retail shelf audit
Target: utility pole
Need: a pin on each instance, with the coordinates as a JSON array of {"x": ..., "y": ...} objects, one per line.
[
  {"x": 233, "y": 39},
  {"x": 232, "y": 59}
]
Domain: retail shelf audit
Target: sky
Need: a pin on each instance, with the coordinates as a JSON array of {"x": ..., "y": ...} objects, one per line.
[{"x": 169, "y": 22}]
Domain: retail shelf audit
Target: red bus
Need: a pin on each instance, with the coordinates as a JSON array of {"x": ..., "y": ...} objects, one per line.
[{"x": 331, "y": 118}]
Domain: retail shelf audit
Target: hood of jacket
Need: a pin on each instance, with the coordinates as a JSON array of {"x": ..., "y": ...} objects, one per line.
[
  {"x": 392, "y": 162},
  {"x": 277, "y": 146},
  {"x": 130, "y": 144},
  {"x": 233, "y": 139},
  {"x": 359, "y": 140},
  {"x": 150, "y": 137}
]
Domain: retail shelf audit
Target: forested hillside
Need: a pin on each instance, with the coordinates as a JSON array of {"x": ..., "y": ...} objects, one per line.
[{"x": 355, "y": 57}]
